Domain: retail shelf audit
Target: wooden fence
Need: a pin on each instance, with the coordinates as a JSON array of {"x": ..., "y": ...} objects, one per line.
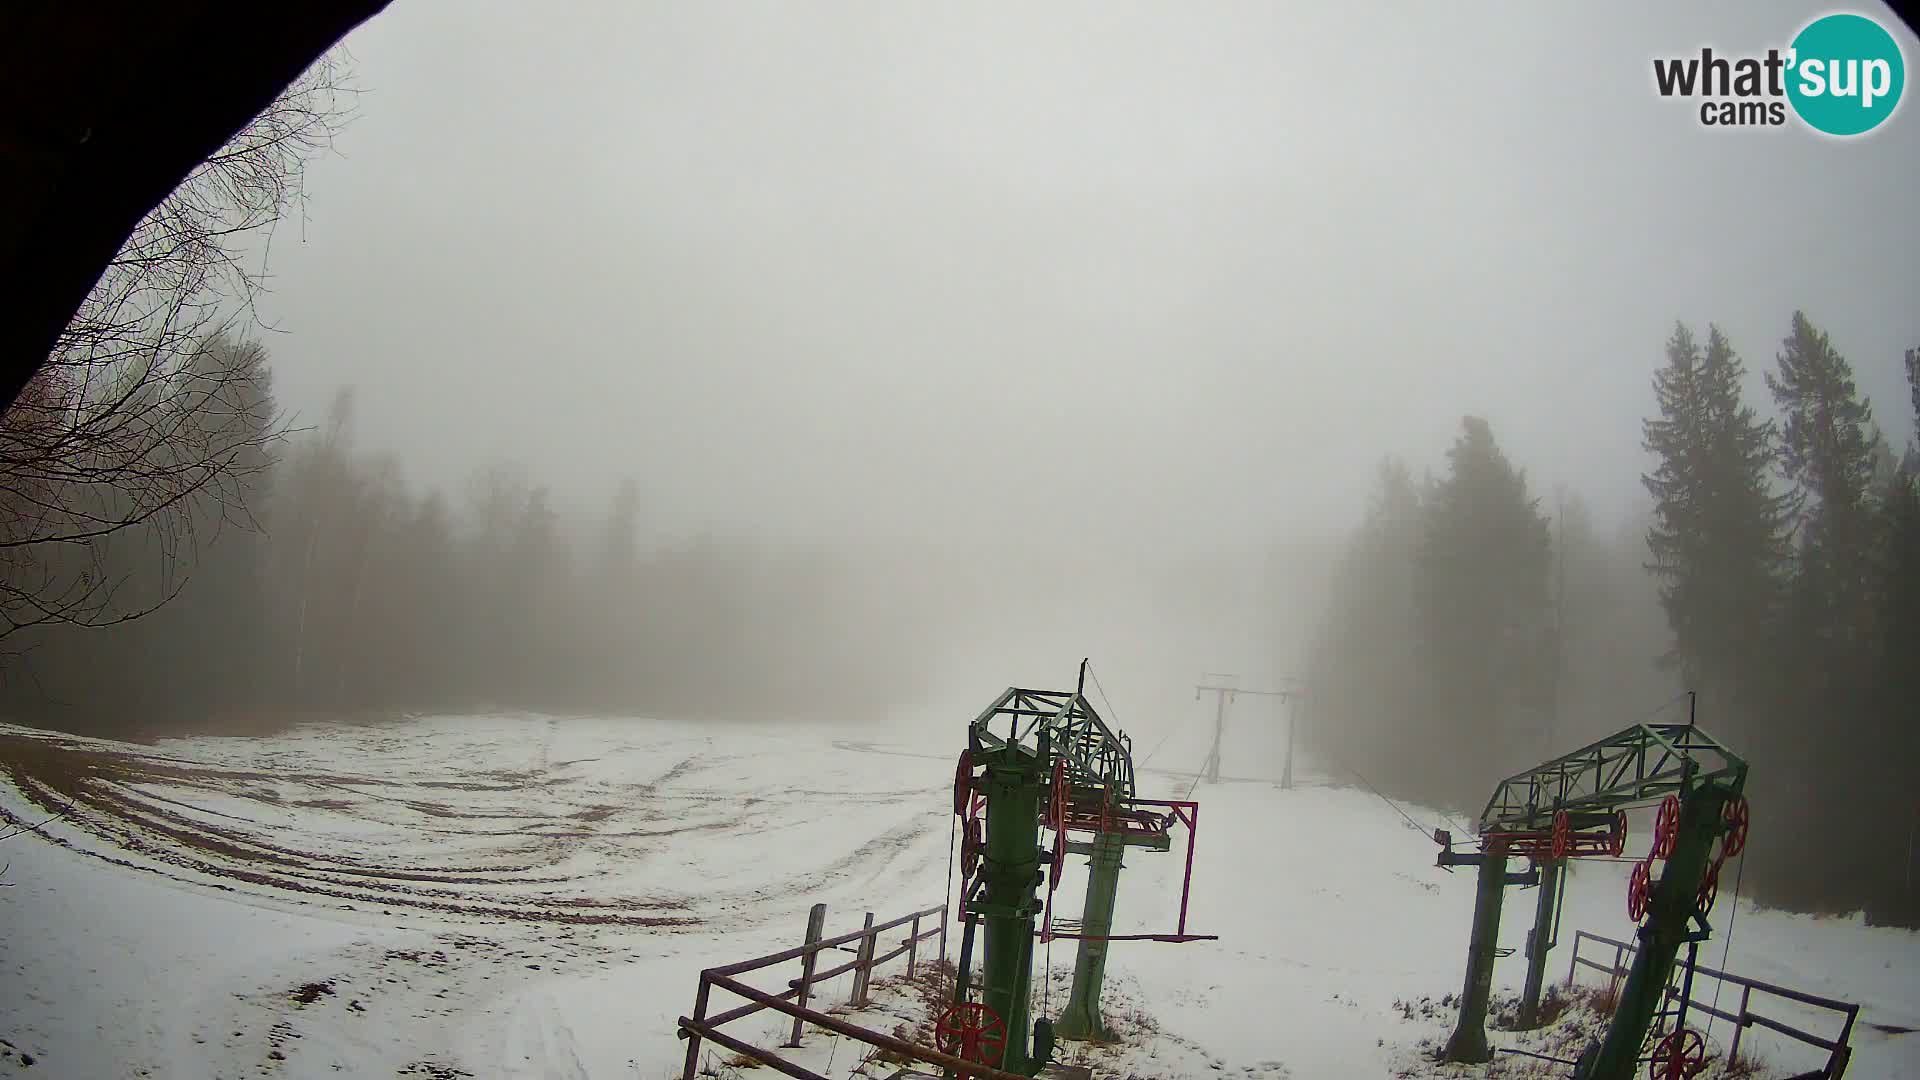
[
  {"x": 793, "y": 1000},
  {"x": 1743, "y": 1017}
]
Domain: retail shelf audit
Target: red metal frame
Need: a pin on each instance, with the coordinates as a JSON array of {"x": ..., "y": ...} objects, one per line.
[
  {"x": 1131, "y": 821},
  {"x": 1542, "y": 844}
]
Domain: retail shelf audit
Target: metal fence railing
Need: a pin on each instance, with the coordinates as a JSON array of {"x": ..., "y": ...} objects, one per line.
[
  {"x": 792, "y": 1001},
  {"x": 1743, "y": 1017}
]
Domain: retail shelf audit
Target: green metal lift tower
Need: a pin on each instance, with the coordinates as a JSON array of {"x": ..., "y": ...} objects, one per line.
[
  {"x": 1574, "y": 806},
  {"x": 1054, "y": 764}
]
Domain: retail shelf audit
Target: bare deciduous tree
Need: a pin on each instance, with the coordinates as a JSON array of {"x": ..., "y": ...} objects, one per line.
[{"x": 149, "y": 414}]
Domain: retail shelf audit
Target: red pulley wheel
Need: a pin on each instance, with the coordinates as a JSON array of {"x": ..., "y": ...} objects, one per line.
[
  {"x": 1709, "y": 889},
  {"x": 1680, "y": 1055},
  {"x": 1058, "y": 813},
  {"x": 1639, "y": 890},
  {"x": 1735, "y": 816},
  {"x": 971, "y": 847},
  {"x": 1059, "y": 862},
  {"x": 1562, "y": 834},
  {"x": 1666, "y": 827},
  {"x": 971, "y": 1031},
  {"x": 962, "y": 782},
  {"x": 1617, "y": 843}
]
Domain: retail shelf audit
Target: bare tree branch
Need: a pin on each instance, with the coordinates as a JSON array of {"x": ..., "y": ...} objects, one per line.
[{"x": 152, "y": 413}]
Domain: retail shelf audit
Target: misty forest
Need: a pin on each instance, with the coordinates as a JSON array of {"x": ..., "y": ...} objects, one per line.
[
  {"x": 1775, "y": 573},
  {"x": 512, "y": 531},
  {"x": 185, "y": 552}
]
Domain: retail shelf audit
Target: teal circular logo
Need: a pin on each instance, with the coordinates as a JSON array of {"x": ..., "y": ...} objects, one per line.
[{"x": 1846, "y": 74}]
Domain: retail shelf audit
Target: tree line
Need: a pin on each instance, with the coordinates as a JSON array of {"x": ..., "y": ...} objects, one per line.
[
  {"x": 321, "y": 583},
  {"x": 173, "y": 558},
  {"x": 1475, "y": 631}
]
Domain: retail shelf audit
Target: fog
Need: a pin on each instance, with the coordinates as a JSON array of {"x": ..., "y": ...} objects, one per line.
[
  {"x": 1146, "y": 290},
  {"x": 851, "y": 270},
  {"x": 855, "y": 362},
  {"x": 1142, "y": 290}
]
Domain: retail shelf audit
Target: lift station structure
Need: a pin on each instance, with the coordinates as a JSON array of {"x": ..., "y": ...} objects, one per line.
[
  {"x": 1044, "y": 760},
  {"x": 1573, "y": 807}
]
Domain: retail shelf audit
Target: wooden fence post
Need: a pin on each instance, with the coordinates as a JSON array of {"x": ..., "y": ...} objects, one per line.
[
  {"x": 816, "y": 922},
  {"x": 1740, "y": 1025},
  {"x": 693, "y": 1037},
  {"x": 913, "y": 944},
  {"x": 863, "y": 966}
]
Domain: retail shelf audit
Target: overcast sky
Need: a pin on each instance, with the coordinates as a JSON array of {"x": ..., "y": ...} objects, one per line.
[{"x": 1166, "y": 276}]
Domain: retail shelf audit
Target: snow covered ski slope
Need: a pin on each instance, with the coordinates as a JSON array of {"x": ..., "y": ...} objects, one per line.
[{"x": 508, "y": 896}]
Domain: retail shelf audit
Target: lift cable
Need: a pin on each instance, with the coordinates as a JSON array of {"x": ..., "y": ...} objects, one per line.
[
  {"x": 1728, "y": 947},
  {"x": 1156, "y": 748},
  {"x": 1046, "y": 989},
  {"x": 953, "y": 841},
  {"x": 1111, "y": 713},
  {"x": 1411, "y": 824},
  {"x": 1197, "y": 773},
  {"x": 1663, "y": 706}
]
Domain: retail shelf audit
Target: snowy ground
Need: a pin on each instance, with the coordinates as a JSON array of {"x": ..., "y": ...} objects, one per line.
[{"x": 530, "y": 897}]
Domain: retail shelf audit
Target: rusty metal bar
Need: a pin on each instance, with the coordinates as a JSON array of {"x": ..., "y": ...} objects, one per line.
[
  {"x": 1703, "y": 1007},
  {"x": 1740, "y": 1023},
  {"x": 1838, "y": 1050},
  {"x": 747, "y": 1049},
  {"x": 1174, "y": 938},
  {"x": 865, "y": 1035},
  {"x": 1801, "y": 996},
  {"x": 1186, "y": 883},
  {"x": 1841, "y": 1056},
  {"x": 1788, "y": 1029}
]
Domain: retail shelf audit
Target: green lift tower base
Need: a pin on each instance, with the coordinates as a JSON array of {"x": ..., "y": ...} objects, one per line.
[
  {"x": 1575, "y": 806},
  {"x": 1056, "y": 764}
]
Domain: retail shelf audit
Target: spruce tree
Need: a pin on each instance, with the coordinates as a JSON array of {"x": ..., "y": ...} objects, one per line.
[
  {"x": 1718, "y": 541},
  {"x": 1821, "y": 743},
  {"x": 1482, "y": 606},
  {"x": 1362, "y": 676},
  {"x": 1827, "y": 453},
  {"x": 1895, "y": 733}
]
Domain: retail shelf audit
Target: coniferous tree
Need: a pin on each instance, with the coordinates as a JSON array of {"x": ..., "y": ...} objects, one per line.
[
  {"x": 1362, "y": 678},
  {"x": 1894, "y": 734},
  {"x": 615, "y": 598},
  {"x": 1827, "y": 453},
  {"x": 1822, "y": 708},
  {"x": 1718, "y": 541},
  {"x": 1481, "y": 603}
]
